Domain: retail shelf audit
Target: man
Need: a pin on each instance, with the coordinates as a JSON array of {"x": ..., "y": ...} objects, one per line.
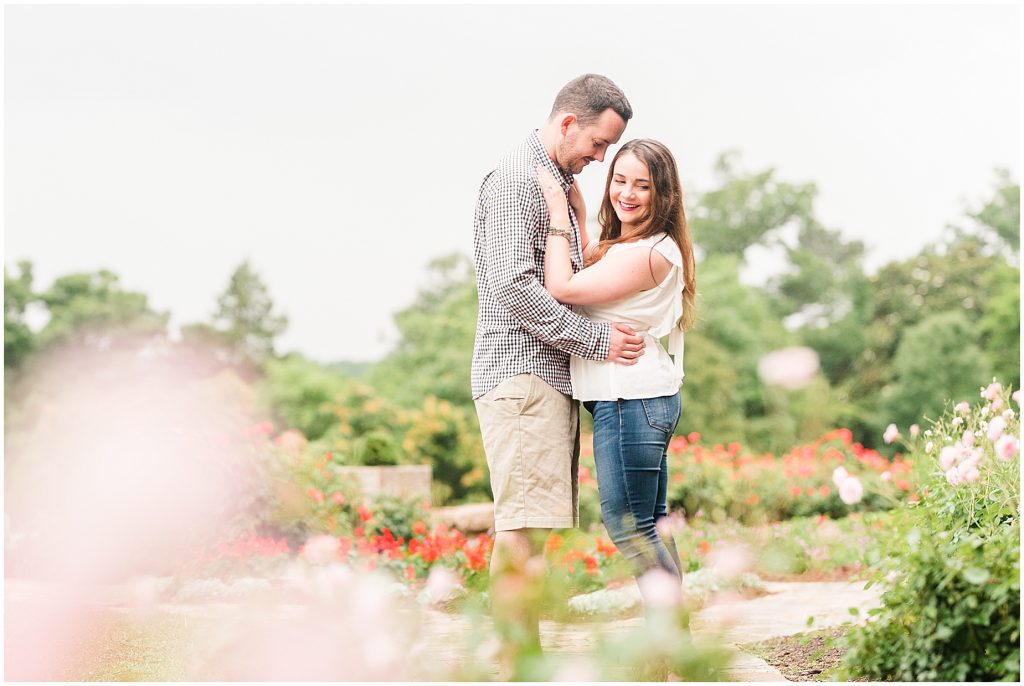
[{"x": 520, "y": 375}]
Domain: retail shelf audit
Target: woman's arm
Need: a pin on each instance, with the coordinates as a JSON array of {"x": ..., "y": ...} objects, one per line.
[{"x": 613, "y": 277}]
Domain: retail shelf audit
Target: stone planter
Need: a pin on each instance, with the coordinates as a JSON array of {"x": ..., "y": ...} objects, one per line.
[{"x": 405, "y": 481}]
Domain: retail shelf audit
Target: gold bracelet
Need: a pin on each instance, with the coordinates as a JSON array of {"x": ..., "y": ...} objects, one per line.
[{"x": 558, "y": 231}]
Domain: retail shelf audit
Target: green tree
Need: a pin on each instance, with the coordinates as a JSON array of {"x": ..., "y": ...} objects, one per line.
[
  {"x": 746, "y": 209},
  {"x": 92, "y": 309},
  {"x": 244, "y": 326},
  {"x": 18, "y": 338},
  {"x": 435, "y": 346},
  {"x": 937, "y": 360},
  {"x": 999, "y": 218}
]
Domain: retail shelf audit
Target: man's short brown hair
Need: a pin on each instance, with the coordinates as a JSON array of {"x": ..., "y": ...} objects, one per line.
[{"x": 588, "y": 96}]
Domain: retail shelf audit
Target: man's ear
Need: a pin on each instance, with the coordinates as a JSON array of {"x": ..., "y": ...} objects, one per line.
[{"x": 567, "y": 120}]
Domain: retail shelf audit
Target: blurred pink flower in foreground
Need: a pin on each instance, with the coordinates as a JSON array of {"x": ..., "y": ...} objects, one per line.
[
  {"x": 962, "y": 408},
  {"x": 1006, "y": 447},
  {"x": 915, "y": 430},
  {"x": 660, "y": 589},
  {"x": 730, "y": 560},
  {"x": 790, "y": 368},
  {"x": 891, "y": 433},
  {"x": 1016, "y": 396}
]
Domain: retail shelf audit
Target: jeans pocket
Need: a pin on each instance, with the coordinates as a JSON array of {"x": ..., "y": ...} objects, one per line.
[{"x": 662, "y": 413}]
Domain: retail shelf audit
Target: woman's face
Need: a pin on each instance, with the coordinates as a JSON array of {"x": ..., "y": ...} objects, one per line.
[{"x": 630, "y": 189}]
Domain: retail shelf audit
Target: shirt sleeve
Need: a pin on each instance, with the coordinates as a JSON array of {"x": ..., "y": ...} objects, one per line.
[{"x": 512, "y": 219}]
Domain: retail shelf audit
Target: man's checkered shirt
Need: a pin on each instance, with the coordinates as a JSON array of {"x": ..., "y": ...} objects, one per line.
[{"x": 521, "y": 327}]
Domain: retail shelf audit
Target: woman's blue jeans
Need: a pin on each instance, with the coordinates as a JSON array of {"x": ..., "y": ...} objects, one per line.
[{"x": 631, "y": 440}]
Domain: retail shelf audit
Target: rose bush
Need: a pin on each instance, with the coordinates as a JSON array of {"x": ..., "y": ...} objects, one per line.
[{"x": 951, "y": 611}]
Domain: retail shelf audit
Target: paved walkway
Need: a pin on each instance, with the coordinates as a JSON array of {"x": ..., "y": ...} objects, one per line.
[
  {"x": 449, "y": 639},
  {"x": 781, "y": 613}
]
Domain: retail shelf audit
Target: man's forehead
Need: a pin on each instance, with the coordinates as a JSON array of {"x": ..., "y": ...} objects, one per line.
[{"x": 609, "y": 126}]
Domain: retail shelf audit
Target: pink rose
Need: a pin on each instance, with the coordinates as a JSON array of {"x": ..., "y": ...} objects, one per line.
[
  {"x": 914, "y": 430},
  {"x": 948, "y": 457},
  {"x": 891, "y": 433},
  {"x": 996, "y": 428},
  {"x": 993, "y": 390},
  {"x": 1006, "y": 447}
]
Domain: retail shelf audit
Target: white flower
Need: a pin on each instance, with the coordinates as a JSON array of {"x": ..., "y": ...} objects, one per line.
[
  {"x": 839, "y": 474},
  {"x": 928, "y": 433},
  {"x": 962, "y": 408},
  {"x": 891, "y": 433},
  {"x": 984, "y": 411},
  {"x": 996, "y": 428},
  {"x": 952, "y": 476},
  {"x": 851, "y": 491},
  {"x": 957, "y": 421},
  {"x": 929, "y": 446},
  {"x": 886, "y": 476},
  {"x": 1009, "y": 414}
]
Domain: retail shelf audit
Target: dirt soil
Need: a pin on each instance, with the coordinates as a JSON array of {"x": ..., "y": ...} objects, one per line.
[{"x": 802, "y": 657}]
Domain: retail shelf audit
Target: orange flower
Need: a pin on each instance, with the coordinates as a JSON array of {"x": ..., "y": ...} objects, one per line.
[
  {"x": 824, "y": 490},
  {"x": 553, "y": 544},
  {"x": 753, "y": 499},
  {"x": 902, "y": 484},
  {"x": 410, "y": 573},
  {"x": 316, "y": 495},
  {"x": 795, "y": 490},
  {"x": 591, "y": 565},
  {"x": 705, "y": 548},
  {"x": 418, "y": 527},
  {"x": 810, "y": 490},
  {"x": 693, "y": 437}
]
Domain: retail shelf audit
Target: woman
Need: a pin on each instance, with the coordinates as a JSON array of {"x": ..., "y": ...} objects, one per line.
[{"x": 641, "y": 273}]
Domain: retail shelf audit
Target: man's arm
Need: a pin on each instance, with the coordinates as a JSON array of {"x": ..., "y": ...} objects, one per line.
[{"x": 513, "y": 277}]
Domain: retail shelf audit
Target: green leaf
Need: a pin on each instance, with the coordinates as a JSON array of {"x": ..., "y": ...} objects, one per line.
[
  {"x": 855, "y": 612},
  {"x": 976, "y": 575},
  {"x": 943, "y": 632},
  {"x": 810, "y": 620}
]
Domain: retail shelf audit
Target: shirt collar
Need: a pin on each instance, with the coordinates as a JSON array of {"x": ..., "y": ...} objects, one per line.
[{"x": 564, "y": 178}]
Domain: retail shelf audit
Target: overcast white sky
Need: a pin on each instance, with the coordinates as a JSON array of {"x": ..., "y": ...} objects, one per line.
[{"x": 341, "y": 148}]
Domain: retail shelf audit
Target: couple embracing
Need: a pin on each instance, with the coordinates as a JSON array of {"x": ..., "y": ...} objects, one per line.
[{"x": 566, "y": 316}]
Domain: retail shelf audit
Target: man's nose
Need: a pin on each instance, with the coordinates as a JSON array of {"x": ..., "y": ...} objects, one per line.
[{"x": 599, "y": 156}]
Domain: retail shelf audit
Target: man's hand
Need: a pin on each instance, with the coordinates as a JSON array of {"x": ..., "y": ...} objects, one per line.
[{"x": 626, "y": 345}]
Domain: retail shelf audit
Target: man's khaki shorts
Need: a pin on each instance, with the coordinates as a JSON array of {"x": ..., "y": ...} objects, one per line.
[{"x": 531, "y": 436}]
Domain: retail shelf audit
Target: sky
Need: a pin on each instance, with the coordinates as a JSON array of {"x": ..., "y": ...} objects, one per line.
[{"x": 340, "y": 148}]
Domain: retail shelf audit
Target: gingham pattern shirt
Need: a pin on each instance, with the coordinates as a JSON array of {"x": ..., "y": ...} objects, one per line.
[{"x": 521, "y": 327}]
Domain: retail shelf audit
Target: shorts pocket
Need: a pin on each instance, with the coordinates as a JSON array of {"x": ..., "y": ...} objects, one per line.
[
  {"x": 662, "y": 413},
  {"x": 513, "y": 393}
]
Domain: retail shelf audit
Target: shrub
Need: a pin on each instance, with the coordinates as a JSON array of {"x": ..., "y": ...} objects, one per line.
[
  {"x": 951, "y": 611},
  {"x": 376, "y": 449}
]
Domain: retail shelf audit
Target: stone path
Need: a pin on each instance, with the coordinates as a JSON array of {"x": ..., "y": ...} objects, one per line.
[
  {"x": 448, "y": 639},
  {"x": 781, "y": 613}
]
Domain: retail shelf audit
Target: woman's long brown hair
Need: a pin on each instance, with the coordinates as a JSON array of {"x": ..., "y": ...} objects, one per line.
[{"x": 665, "y": 215}]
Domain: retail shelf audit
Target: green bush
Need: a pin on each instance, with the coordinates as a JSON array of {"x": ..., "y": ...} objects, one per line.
[
  {"x": 376, "y": 449},
  {"x": 951, "y": 611}
]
